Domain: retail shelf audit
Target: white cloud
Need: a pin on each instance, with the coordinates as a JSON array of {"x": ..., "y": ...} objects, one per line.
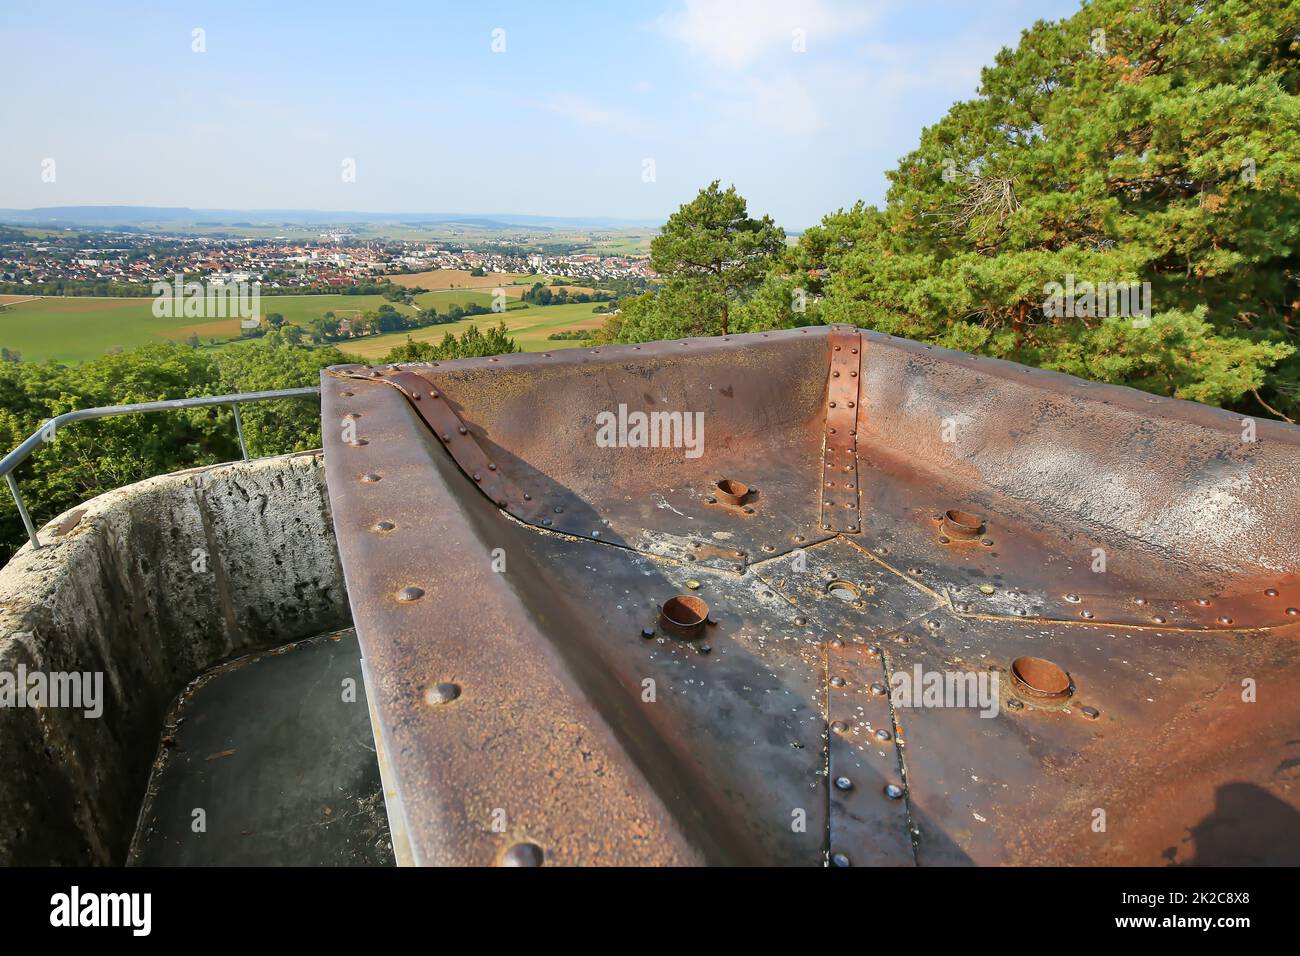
[
  {"x": 733, "y": 34},
  {"x": 587, "y": 113}
]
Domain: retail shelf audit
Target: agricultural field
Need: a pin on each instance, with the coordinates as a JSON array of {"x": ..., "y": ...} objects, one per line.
[
  {"x": 70, "y": 329},
  {"x": 529, "y": 327}
]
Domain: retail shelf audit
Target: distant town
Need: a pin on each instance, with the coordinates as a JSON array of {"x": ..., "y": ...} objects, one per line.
[{"x": 129, "y": 262}]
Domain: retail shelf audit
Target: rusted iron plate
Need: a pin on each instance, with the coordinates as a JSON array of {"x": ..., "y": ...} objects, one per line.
[
  {"x": 759, "y": 411},
  {"x": 734, "y": 749},
  {"x": 1021, "y": 565},
  {"x": 849, "y": 591},
  {"x": 1153, "y": 746},
  {"x": 839, "y": 487},
  {"x": 494, "y": 748},
  {"x": 869, "y": 824}
]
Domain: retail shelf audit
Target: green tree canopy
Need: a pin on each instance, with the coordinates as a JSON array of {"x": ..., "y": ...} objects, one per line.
[
  {"x": 1155, "y": 143},
  {"x": 713, "y": 254}
]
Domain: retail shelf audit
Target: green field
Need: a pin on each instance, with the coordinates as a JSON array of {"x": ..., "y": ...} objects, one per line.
[
  {"x": 530, "y": 328},
  {"x": 69, "y": 329}
]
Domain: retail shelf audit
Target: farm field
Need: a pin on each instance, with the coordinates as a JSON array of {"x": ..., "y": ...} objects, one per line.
[
  {"x": 529, "y": 327},
  {"x": 69, "y": 329}
]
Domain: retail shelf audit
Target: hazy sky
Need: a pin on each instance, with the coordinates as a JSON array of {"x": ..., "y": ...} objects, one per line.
[{"x": 561, "y": 122}]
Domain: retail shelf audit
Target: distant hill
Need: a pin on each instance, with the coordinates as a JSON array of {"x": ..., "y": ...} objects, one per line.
[{"x": 136, "y": 215}]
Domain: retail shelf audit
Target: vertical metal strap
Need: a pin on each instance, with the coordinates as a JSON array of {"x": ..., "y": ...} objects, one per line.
[
  {"x": 22, "y": 512},
  {"x": 239, "y": 427},
  {"x": 840, "y": 495}
]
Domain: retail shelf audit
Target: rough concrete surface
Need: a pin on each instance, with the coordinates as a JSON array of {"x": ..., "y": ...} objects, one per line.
[
  {"x": 268, "y": 760},
  {"x": 157, "y": 582}
]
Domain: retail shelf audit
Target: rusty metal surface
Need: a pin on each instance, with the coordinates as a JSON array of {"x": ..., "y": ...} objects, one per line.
[
  {"x": 508, "y": 580},
  {"x": 840, "y": 495},
  {"x": 868, "y": 817}
]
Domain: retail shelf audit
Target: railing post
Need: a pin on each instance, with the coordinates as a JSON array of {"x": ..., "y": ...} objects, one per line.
[
  {"x": 22, "y": 512},
  {"x": 239, "y": 427}
]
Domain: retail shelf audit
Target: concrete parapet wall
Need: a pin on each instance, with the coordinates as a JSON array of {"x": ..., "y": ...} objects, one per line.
[{"x": 154, "y": 583}]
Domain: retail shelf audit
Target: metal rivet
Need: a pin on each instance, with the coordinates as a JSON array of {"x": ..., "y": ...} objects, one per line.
[
  {"x": 843, "y": 783},
  {"x": 1293, "y": 611},
  {"x": 1158, "y": 619},
  {"x": 522, "y": 854},
  {"x": 1072, "y": 598},
  {"x": 878, "y": 689},
  {"x": 693, "y": 585},
  {"x": 409, "y": 594},
  {"x": 1203, "y": 602},
  {"x": 1225, "y": 620},
  {"x": 370, "y": 477},
  {"x": 835, "y": 642},
  {"x": 1087, "y": 615},
  {"x": 932, "y": 625},
  {"x": 647, "y": 632},
  {"x": 443, "y": 693},
  {"x": 839, "y": 726},
  {"x": 837, "y": 681},
  {"x": 987, "y": 542},
  {"x": 943, "y": 539},
  {"x": 704, "y": 648},
  {"x": 840, "y": 859},
  {"x": 800, "y": 621},
  {"x": 358, "y": 442},
  {"x": 986, "y": 589},
  {"x": 463, "y": 430},
  {"x": 883, "y": 734},
  {"x": 382, "y": 526},
  {"x": 492, "y": 466},
  {"x": 1271, "y": 592},
  {"x": 1092, "y": 713},
  {"x": 893, "y": 791},
  {"x": 1014, "y": 704}
]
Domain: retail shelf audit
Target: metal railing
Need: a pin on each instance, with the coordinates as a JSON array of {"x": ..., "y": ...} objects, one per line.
[{"x": 47, "y": 431}]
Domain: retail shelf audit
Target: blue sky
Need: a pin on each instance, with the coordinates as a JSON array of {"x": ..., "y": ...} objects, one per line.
[{"x": 559, "y": 123}]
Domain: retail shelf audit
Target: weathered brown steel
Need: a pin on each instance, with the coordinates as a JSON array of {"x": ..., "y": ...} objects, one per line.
[
  {"x": 989, "y": 513},
  {"x": 840, "y": 493}
]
